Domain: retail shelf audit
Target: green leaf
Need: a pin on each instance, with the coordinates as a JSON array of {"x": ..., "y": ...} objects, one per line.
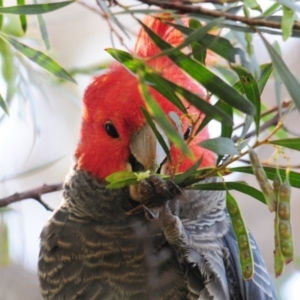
[
  {"x": 3, "y": 105},
  {"x": 226, "y": 130},
  {"x": 120, "y": 179},
  {"x": 251, "y": 90},
  {"x": 265, "y": 73},
  {"x": 9, "y": 71},
  {"x": 156, "y": 132},
  {"x": 39, "y": 58},
  {"x": 200, "y": 73},
  {"x": 293, "y": 143},
  {"x": 33, "y": 9},
  {"x": 271, "y": 10},
  {"x": 220, "y": 106},
  {"x": 31, "y": 171},
  {"x": 270, "y": 172},
  {"x": 248, "y": 36},
  {"x": 1, "y": 16},
  {"x": 290, "y": 4},
  {"x": 287, "y": 22},
  {"x": 221, "y": 146},
  {"x": 161, "y": 118},
  {"x": 168, "y": 88},
  {"x": 217, "y": 44},
  {"x": 43, "y": 29},
  {"x": 231, "y": 185},
  {"x": 252, "y": 4},
  {"x": 286, "y": 76},
  {"x": 199, "y": 52},
  {"x": 4, "y": 245},
  {"x": 246, "y": 127},
  {"x": 180, "y": 178},
  {"x": 22, "y": 17}
]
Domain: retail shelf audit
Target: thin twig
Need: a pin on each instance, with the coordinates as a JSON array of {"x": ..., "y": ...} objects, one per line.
[
  {"x": 181, "y": 8},
  {"x": 263, "y": 127},
  {"x": 266, "y": 164},
  {"x": 285, "y": 104},
  {"x": 35, "y": 194}
]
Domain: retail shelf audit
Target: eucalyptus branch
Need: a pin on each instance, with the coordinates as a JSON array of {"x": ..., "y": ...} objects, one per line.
[
  {"x": 182, "y": 8},
  {"x": 35, "y": 194}
]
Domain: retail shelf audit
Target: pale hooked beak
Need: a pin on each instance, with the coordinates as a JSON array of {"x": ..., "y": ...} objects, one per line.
[{"x": 146, "y": 150}]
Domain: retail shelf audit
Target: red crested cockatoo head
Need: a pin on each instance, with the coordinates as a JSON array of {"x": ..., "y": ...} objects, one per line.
[{"x": 115, "y": 135}]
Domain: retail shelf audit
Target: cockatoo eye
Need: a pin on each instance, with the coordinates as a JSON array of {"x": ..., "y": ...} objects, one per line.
[
  {"x": 111, "y": 130},
  {"x": 187, "y": 133}
]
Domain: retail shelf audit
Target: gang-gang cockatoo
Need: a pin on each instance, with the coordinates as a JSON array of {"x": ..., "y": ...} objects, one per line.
[{"x": 182, "y": 248}]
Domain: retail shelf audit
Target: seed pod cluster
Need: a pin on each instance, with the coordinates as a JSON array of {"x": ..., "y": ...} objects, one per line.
[
  {"x": 241, "y": 233},
  {"x": 262, "y": 179}
]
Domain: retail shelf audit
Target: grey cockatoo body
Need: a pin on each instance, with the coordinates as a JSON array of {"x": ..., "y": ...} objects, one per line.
[{"x": 91, "y": 249}]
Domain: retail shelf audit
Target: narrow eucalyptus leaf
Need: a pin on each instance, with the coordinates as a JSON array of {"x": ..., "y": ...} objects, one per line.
[
  {"x": 294, "y": 177},
  {"x": 22, "y": 17},
  {"x": 220, "y": 146},
  {"x": 271, "y": 10},
  {"x": 39, "y": 58},
  {"x": 180, "y": 178},
  {"x": 4, "y": 244},
  {"x": 33, "y": 9},
  {"x": 289, "y": 80},
  {"x": 290, "y": 4},
  {"x": 1, "y": 16},
  {"x": 156, "y": 132},
  {"x": 247, "y": 125},
  {"x": 265, "y": 73},
  {"x": 287, "y": 22},
  {"x": 43, "y": 29},
  {"x": 293, "y": 143},
  {"x": 121, "y": 176},
  {"x": 252, "y": 4},
  {"x": 32, "y": 171},
  {"x": 3, "y": 105},
  {"x": 231, "y": 185},
  {"x": 251, "y": 90},
  {"x": 161, "y": 119}
]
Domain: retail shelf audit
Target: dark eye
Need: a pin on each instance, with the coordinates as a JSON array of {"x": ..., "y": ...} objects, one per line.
[
  {"x": 187, "y": 133},
  {"x": 111, "y": 130}
]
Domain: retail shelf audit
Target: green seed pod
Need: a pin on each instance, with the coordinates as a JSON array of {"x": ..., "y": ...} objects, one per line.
[
  {"x": 277, "y": 182},
  {"x": 262, "y": 179},
  {"x": 284, "y": 224},
  {"x": 278, "y": 257},
  {"x": 241, "y": 233}
]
